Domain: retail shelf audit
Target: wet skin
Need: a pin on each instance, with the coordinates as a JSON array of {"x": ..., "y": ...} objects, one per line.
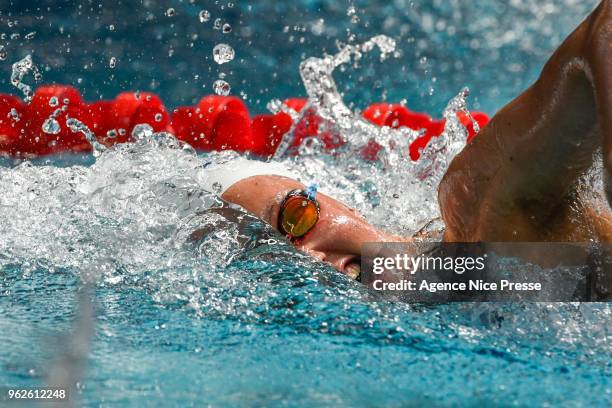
[
  {"x": 516, "y": 181},
  {"x": 336, "y": 238}
]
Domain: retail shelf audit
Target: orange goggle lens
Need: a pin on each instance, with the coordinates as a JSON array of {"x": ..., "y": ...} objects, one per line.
[{"x": 298, "y": 214}]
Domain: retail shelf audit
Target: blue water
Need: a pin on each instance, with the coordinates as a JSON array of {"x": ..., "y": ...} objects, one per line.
[
  {"x": 495, "y": 47},
  {"x": 309, "y": 344},
  {"x": 272, "y": 328}
]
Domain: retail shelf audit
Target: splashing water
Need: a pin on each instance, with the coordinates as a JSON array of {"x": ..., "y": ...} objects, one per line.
[
  {"x": 223, "y": 53},
  {"x": 124, "y": 223},
  {"x": 76, "y": 126},
  {"x": 324, "y": 97},
  {"x": 51, "y": 126},
  {"x": 436, "y": 157},
  {"x": 14, "y": 115},
  {"x": 221, "y": 87},
  {"x": 398, "y": 187},
  {"x": 19, "y": 70},
  {"x": 204, "y": 16},
  {"x": 276, "y": 106},
  {"x": 311, "y": 191}
]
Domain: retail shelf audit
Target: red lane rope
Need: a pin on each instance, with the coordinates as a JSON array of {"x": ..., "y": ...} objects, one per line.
[{"x": 215, "y": 123}]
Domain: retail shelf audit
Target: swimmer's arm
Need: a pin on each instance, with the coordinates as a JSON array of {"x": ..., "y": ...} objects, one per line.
[{"x": 513, "y": 178}]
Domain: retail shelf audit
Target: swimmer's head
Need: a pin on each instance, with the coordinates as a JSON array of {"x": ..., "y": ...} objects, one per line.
[{"x": 339, "y": 231}]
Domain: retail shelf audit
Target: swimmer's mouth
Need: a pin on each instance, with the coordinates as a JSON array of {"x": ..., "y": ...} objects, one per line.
[{"x": 353, "y": 269}]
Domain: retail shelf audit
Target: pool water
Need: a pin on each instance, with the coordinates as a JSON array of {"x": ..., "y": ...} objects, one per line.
[
  {"x": 496, "y": 48},
  {"x": 98, "y": 287}
]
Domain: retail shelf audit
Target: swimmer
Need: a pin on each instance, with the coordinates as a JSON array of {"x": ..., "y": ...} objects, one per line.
[{"x": 537, "y": 148}]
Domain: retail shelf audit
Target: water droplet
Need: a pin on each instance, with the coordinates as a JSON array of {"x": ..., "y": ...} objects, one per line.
[
  {"x": 217, "y": 24},
  {"x": 318, "y": 28},
  {"x": 19, "y": 70},
  {"x": 77, "y": 126},
  {"x": 170, "y": 12},
  {"x": 111, "y": 27},
  {"x": 223, "y": 53},
  {"x": 3, "y": 53},
  {"x": 51, "y": 126},
  {"x": 204, "y": 16},
  {"x": 112, "y": 62},
  {"x": 111, "y": 133},
  {"x": 158, "y": 117},
  {"x": 352, "y": 13},
  {"x": 275, "y": 106},
  {"x": 30, "y": 36},
  {"x": 53, "y": 102},
  {"x": 227, "y": 28},
  {"x": 221, "y": 87},
  {"x": 13, "y": 114},
  {"x": 217, "y": 188},
  {"x": 142, "y": 131}
]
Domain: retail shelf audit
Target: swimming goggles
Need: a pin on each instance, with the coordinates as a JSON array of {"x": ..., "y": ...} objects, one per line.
[{"x": 299, "y": 213}]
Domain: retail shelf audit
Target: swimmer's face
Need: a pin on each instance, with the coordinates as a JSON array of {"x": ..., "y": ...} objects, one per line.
[{"x": 336, "y": 238}]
